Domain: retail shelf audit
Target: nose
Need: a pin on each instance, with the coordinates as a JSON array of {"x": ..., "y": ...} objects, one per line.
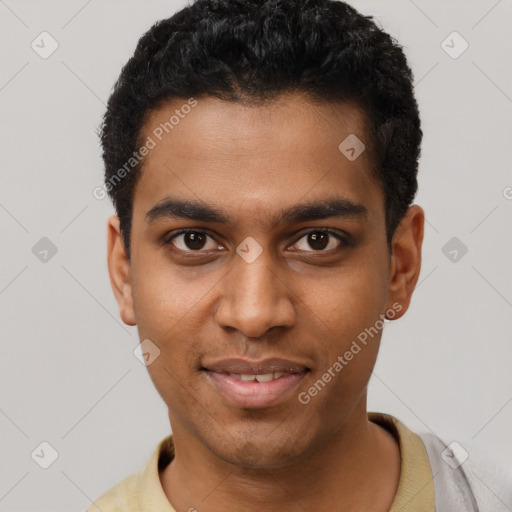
[{"x": 255, "y": 298}]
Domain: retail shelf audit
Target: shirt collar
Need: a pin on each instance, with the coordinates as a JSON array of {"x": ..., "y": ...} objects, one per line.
[{"x": 415, "y": 488}]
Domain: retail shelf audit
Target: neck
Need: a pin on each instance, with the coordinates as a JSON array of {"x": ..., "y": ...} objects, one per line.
[{"x": 358, "y": 468}]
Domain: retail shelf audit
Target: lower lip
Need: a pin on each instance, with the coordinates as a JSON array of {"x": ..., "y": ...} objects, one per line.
[{"x": 254, "y": 394}]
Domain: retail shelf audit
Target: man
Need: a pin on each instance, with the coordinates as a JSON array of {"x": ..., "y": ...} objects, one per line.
[{"x": 262, "y": 158}]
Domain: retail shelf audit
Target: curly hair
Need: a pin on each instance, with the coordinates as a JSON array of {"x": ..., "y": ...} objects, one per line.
[{"x": 256, "y": 50}]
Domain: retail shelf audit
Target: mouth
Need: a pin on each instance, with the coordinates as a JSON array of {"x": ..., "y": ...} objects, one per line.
[
  {"x": 260, "y": 377},
  {"x": 254, "y": 385}
]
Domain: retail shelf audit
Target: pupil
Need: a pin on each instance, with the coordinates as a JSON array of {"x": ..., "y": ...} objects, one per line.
[
  {"x": 194, "y": 240},
  {"x": 318, "y": 240}
]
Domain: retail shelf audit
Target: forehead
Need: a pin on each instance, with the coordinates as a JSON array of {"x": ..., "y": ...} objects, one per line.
[{"x": 255, "y": 157}]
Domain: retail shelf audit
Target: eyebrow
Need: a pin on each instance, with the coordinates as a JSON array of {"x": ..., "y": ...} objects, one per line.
[{"x": 338, "y": 207}]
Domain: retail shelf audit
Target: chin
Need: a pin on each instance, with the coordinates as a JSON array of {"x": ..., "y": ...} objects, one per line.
[{"x": 260, "y": 452}]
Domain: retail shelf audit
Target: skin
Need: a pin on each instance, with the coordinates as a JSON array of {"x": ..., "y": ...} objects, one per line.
[{"x": 294, "y": 301}]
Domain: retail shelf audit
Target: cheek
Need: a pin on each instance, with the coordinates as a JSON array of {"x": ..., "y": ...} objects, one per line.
[
  {"x": 347, "y": 302},
  {"x": 181, "y": 394},
  {"x": 174, "y": 372},
  {"x": 346, "y": 309},
  {"x": 169, "y": 312},
  {"x": 168, "y": 302}
]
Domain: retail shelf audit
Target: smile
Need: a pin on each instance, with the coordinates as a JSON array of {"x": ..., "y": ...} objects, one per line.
[
  {"x": 264, "y": 377},
  {"x": 254, "y": 384}
]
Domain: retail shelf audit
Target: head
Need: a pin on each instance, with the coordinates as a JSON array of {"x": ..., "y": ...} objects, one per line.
[{"x": 284, "y": 137}]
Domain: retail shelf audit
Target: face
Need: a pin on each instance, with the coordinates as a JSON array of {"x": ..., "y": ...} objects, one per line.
[{"x": 258, "y": 261}]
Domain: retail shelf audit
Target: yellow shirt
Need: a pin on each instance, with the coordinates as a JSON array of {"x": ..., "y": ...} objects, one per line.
[{"x": 142, "y": 492}]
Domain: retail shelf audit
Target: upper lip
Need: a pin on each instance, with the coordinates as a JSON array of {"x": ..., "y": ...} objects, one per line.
[{"x": 248, "y": 367}]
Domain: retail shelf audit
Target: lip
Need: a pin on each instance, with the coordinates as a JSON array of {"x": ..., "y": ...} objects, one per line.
[
  {"x": 254, "y": 394},
  {"x": 246, "y": 366}
]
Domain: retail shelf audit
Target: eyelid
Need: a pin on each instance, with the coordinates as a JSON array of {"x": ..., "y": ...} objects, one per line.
[
  {"x": 344, "y": 238},
  {"x": 167, "y": 240}
]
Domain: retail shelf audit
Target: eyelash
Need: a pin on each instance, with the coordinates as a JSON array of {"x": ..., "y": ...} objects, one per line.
[{"x": 344, "y": 239}]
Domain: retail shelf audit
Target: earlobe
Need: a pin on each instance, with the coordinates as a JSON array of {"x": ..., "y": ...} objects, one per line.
[
  {"x": 406, "y": 258},
  {"x": 120, "y": 271}
]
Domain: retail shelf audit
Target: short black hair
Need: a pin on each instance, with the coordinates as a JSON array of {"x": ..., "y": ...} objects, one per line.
[{"x": 256, "y": 50}]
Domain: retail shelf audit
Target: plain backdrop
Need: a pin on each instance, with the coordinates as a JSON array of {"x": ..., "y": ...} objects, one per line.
[{"x": 68, "y": 374}]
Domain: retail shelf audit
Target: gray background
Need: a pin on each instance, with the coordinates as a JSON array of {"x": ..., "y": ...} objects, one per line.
[{"x": 68, "y": 373}]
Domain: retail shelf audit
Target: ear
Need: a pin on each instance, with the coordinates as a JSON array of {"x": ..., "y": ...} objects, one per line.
[
  {"x": 119, "y": 270},
  {"x": 406, "y": 259}
]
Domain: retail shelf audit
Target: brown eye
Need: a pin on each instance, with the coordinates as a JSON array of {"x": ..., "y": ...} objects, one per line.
[
  {"x": 320, "y": 241},
  {"x": 191, "y": 241}
]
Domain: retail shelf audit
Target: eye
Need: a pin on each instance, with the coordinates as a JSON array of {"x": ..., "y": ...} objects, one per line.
[
  {"x": 192, "y": 241},
  {"x": 320, "y": 240}
]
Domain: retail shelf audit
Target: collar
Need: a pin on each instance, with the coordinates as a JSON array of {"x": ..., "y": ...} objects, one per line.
[{"x": 415, "y": 490}]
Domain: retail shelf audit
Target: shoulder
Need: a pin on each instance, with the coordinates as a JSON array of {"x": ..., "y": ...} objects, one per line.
[
  {"x": 466, "y": 478},
  {"x": 120, "y": 498},
  {"x": 132, "y": 493}
]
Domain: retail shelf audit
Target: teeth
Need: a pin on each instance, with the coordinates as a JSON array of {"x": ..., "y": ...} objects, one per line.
[{"x": 265, "y": 377}]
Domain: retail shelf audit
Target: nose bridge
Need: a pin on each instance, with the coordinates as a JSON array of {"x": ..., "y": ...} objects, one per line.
[
  {"x": 254, "y": 299},
  {"x": 255, "y": 282}
]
